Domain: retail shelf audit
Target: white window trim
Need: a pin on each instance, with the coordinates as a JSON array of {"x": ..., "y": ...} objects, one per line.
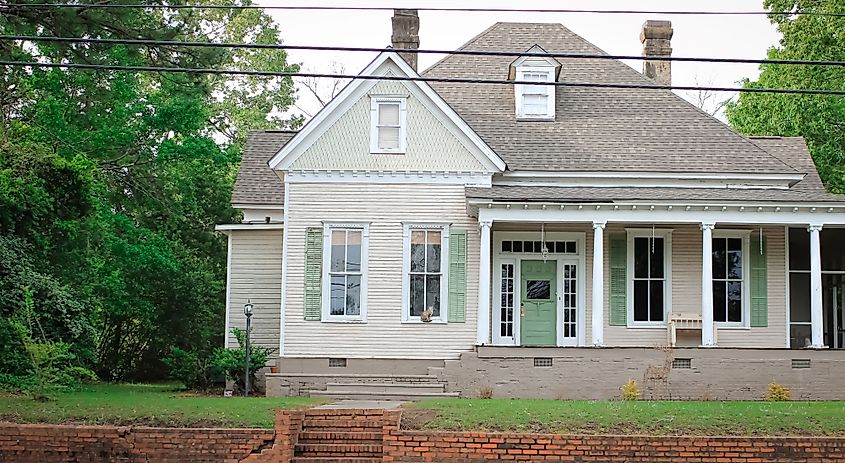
[
  {"x": 666, "y": 234},
  {"x": 745, "y": 235},
  {"x": 520, "y": 88},
  {"x": 365, "y": 240},
  {"x": 403, "y": 126},
  {"x": 406, "y": 269}
]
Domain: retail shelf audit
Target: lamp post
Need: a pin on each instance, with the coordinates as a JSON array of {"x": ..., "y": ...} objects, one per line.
[{"x": 248, "y": 313}]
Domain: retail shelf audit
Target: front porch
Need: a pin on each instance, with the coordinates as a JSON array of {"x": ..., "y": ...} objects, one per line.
[{"x": 722, "y": 273}]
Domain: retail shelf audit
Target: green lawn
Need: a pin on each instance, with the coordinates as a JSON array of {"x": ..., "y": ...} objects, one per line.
[
  {"x": 617, "y": 417},
  {"x": 153, "y": 405}
]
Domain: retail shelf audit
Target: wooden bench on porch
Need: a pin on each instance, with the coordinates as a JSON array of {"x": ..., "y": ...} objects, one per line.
[{"x": 684, "y": 321}]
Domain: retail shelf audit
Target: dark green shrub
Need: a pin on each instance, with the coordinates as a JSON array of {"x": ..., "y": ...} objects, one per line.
[
  {"x": 231, "y": 361},
  {"x": 192, "y": 370}
]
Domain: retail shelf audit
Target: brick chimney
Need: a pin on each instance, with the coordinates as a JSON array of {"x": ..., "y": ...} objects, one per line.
[
  {"x": 406, "y": 34},
  {"x": 656, "y": 37}
]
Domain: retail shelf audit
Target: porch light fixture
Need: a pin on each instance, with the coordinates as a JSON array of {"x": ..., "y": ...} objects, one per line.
[{"x": 248, "y": 313}]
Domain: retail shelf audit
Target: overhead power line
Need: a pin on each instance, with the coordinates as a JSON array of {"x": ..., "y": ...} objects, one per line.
[
  {"x": 438, "y": 9},
  {"x": 458, "y": 80},
  {"x": 267, "y": 46}
]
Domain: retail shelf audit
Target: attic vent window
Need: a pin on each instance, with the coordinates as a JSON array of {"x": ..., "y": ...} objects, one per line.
[
  {"x": 535, "y": 98},
  {"x": 387, "y": 125}
]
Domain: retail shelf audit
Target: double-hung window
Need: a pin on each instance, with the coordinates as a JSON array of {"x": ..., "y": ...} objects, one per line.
[
  {"x": 387, "y": 124},
  {"x": 649, "y": 285},
  {"x": 425, "y": 265},
  {"x": 729, "y": 277},
  {"x": 345, "y": 272},
  {"x": 535, "y": 101}
]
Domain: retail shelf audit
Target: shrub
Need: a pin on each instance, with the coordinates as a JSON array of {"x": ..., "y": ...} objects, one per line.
[
  {"x": 192, "y": 370},
  {"x": 777, "y": 393},
  {"x": 630, "y": 390},
  {"x": 231, "y": 361},
  {"x": 485, "y": 392}
]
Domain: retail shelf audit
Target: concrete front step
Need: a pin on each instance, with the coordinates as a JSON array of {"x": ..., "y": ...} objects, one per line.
[
  {"x": 389, "y": 396},
  {"x": 348, "y": 425},
  {"x": 361, "y": 437},
  {"x": 362, "y": 377},
  {"x": 392, "y": 388},
  {"x": 338, "y": 450}
]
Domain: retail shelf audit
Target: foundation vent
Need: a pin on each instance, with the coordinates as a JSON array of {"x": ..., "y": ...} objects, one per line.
[
  {"x": 681, "y": 364},
  {"x": 337, "y": 363},
  {"x": 542, "y": 361},
  {"x": 800, "y": 363}
]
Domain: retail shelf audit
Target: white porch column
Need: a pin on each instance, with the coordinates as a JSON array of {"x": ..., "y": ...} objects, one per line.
[
  {"x": 483, "y": 332},
  {"x": 816, "y": 315},
  {"x": 707, "y": 335},
  {"x": 598, "y": 284}
]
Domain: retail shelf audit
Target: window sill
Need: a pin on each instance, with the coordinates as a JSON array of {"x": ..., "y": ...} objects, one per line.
[
  {"x": 419, "y": 322},
  {"x": 386, "y": 152},
  {"x": 719, "y": 326},
  {"x": 648, "y": 327},
  {"x": 342, "y": 321},
  {"x": 535, "y": 119}
]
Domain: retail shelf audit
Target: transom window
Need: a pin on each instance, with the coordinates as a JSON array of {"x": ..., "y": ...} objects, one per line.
[
  {"x": 387, "y": 134},
  {"x": 727, "y": 279},
  {"x": 649, "y": 270},
  {"x": 425, "y": 276},
  {"x": 345, "y": 273},
  {"x": 554, "y": 247}
]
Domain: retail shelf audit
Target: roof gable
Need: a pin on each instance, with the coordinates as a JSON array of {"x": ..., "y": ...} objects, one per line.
[
  {"x": 387, "y": 63},
  {"x": 595, "y": 129}
]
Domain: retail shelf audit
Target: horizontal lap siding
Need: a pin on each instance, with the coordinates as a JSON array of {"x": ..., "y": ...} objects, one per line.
[
  {"x": 256, "y": 275},
  {"x": 385, "y": 207}
]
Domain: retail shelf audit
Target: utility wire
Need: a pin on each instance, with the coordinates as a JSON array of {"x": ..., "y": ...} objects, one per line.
[
  {"x": 439, "y": 9},
  {"x": 268, "y": 46},
  {"x": 416, "y": 79}
]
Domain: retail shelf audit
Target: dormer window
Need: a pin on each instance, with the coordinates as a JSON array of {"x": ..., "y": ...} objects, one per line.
[
  {"x": 387, "y": 124},
  {"x": 534, "y": 102},
  {"x": 537, "y": 101}
]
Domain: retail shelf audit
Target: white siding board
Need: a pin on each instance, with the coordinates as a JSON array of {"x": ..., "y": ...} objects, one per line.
[
  {"x": 256, "y": 275},
  {"x": 385, "y": 207}
]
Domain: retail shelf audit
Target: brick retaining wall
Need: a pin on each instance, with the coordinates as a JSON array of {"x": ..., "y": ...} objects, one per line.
[
  {"x": 28, "y": 443},
  {"x": 416, "y": 446}
]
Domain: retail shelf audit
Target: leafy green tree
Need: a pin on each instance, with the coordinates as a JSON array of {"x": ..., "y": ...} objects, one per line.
[
  {"x": 818, "y": 118},
  {"x": 113, "y": 181}
]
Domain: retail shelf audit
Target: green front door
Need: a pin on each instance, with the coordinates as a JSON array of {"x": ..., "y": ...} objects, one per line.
[{"x": 539, "y": 310}]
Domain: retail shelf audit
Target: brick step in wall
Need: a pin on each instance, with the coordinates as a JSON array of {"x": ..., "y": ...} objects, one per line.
[
  {"x": 340, "y": 436},
  {"x": 349, "y": 449}
]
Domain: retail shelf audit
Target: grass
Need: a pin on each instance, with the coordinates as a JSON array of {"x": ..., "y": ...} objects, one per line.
[
  {"x": 146, "y": 404},
  {"x": 640, "y": 417}
]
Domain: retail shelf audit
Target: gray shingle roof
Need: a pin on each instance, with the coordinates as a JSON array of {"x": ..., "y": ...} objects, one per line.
[
  {"x": 791, "y": 150},
  {"x": 257, "y": 184},
  {"x": 595, "y": 129}
]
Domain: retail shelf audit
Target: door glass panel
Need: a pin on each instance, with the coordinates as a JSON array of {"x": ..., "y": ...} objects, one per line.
[
  {"x": 570, "y": 307},
  {"x": 507, "y": 303},
  {"x": 538, "y": 289}
]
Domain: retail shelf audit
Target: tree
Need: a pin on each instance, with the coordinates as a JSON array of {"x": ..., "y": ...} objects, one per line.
[
  {"x": 820, "y": 119},
  {"x": 113, "y": 181}
]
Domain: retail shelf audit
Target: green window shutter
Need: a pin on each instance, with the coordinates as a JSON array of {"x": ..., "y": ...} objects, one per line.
[
  {"x": 457, "y": 312},
  {"x": 618, "y": 280},
  {"x": 313, "y": 273},
  {"x": 759, "y": 284}
]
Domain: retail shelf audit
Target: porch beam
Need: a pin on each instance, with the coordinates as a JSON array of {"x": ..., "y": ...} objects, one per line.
[
  {"x": 816, "y": 314},
  {"x": 598, "y": 284},
  {"x": 660, "y": 215},
  {"x": 483, "y": 329},
  {"x": 707, "y": 330}
]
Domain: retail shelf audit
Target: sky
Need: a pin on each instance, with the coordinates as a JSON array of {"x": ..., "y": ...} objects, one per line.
[{"x": 694, "y": 35}]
